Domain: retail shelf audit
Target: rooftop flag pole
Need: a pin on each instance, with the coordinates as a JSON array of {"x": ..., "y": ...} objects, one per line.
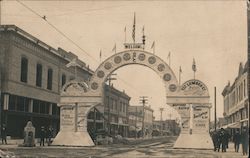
[
  {"x": 133, "y": 31},
  {"x": 153, "y": 47},
  {"x": 169, "y": 55},
  {"x": 100, "y": 55},
  {"x": 180, "y": 72},
  {"x": 125, "y": 34},
  {"x": 194, "y": 67},
  {"x": 114, "y": 48},
  {"x": 143, "y": 38}
]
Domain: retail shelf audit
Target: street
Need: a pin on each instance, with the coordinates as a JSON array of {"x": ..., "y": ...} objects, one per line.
[{"x": 162, "y": 148}]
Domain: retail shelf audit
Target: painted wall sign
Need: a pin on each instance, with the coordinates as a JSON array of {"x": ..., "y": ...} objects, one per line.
[
  {"x": 183, "y": 110},
  {"x": 200, "y": 119},
  {"x": 67, "y": 118},
  {"x": 81, "y": 117}
]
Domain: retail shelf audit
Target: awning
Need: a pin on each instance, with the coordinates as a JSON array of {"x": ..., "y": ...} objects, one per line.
[
  {"x": 244, "y": 120},
  {"x": 225, "y": 126},
  {"x": 234, "y": 125}
]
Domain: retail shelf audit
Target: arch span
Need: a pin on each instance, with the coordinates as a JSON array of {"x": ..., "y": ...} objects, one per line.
[{"x": 129, "y": 57}]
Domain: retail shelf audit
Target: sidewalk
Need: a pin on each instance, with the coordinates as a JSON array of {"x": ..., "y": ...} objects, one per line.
[{"x": 231, "y": 152}]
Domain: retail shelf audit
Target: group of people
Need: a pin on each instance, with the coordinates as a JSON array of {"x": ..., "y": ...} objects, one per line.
[
  {"x": 222, "y": 137},
  {"x": 241, "y": 138},
  {"x": 46, "y": 135}
]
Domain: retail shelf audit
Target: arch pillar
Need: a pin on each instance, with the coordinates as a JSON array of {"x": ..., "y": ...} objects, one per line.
[
  {"x": 192, "y": 104},
  {"x": 74, "y": 107}
]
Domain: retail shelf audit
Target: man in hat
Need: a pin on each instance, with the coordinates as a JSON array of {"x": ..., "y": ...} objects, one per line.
[
  {"x": 42, "y": 136},
  {"x": 4, "y": 134},
  {"x": 244, "y": 140}
]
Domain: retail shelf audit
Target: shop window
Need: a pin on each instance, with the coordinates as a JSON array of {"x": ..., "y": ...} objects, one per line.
[
  {"x": 47, "y": 105},
  {"x": 20, "y": 103},
  {"x": 12, "y": 102},
  {"x": 42, "y": 107},
  {"x": 50, "y": 79},
  {"x": 54, "y": 109},
  {"x": 39, "y": 75},
  {"x": 36, "y": 106},
  {"x": 26, "y": 105},
  {"x": 63, "y": 79},
  {"x": 24, "y": 69}
]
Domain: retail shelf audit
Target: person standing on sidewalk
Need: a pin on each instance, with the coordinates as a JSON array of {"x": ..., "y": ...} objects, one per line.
[
  {"x": 214, "y": 136},
  {"x": 236, "y": 140},
  {"x": 49, "y": 133},
  {"x": 244, "y": 140},
  {"x": 224, "y": 140},
  {"x": 42, "y": 136},
  {"x": 4, "y": 134}
]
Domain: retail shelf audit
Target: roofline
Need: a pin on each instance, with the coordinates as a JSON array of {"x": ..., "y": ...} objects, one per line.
[{"x": 40, "y": 43}]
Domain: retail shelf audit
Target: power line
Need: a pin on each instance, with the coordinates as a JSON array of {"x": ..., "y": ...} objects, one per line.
[
  {"x": 59, "y": 31},
  {"x": 65, "y": 36}
]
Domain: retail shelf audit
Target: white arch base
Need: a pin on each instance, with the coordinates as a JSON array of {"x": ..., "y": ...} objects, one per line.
[
  {"x": 73, "y": 139},
  {"x": 194, "y": 141}
]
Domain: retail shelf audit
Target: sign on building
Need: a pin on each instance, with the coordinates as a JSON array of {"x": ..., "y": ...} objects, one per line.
[
  {"x": 68, "y": 118},
  {"x": 200, "y": 119}
]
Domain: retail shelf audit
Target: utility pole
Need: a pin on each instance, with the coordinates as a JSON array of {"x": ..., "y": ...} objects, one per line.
[
  {"x": 0, "y": 12},
  {"x": 110, "y": 78},
  {"x": 143, "y": 100},
  {"x": 136, "y": 115},
  {"x": 161, "y": 110},
  {"x": 215, "y": 117}
]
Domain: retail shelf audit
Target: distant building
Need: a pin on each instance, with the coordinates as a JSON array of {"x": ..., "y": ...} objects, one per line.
[
  {"x": 113, "y": 117},
  {"x": 142, "y": 118},
  {"x": 236, "y": 101}
]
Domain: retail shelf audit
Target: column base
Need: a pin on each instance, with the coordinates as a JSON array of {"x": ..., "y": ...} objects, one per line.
[
  {"x": 73, "y": 139},
  {"x": 194, "y": 141}
]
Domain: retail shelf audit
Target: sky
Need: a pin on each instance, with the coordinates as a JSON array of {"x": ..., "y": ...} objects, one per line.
[{"x": 212, "y": 32}]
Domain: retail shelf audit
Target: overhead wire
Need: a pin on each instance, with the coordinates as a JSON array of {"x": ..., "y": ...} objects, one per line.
[
  {"x": 65, "y": 36},
  {"x": 59, "y": 31}
]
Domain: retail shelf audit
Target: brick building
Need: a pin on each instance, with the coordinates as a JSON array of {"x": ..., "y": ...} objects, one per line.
[
  {"x": 113, "y": 117},
  {"x": 236, "y": 101},
  {"x": 141, "y": 118},
  {"x": 32, "y": 74}
]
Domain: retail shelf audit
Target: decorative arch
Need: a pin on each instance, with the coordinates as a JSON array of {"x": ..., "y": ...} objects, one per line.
[
  {"x": 191, "y": 101},
  {"x": 130, "y": 57}
]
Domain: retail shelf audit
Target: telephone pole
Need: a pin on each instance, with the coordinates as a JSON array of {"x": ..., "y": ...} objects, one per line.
[
  {"x": 161, "y": 110},
  {"x": 215, "y": 117},
  {"x": 110, "y": 78},
  {"x": 143, "y": 100},
  {"x": 0, "y": 12}
]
